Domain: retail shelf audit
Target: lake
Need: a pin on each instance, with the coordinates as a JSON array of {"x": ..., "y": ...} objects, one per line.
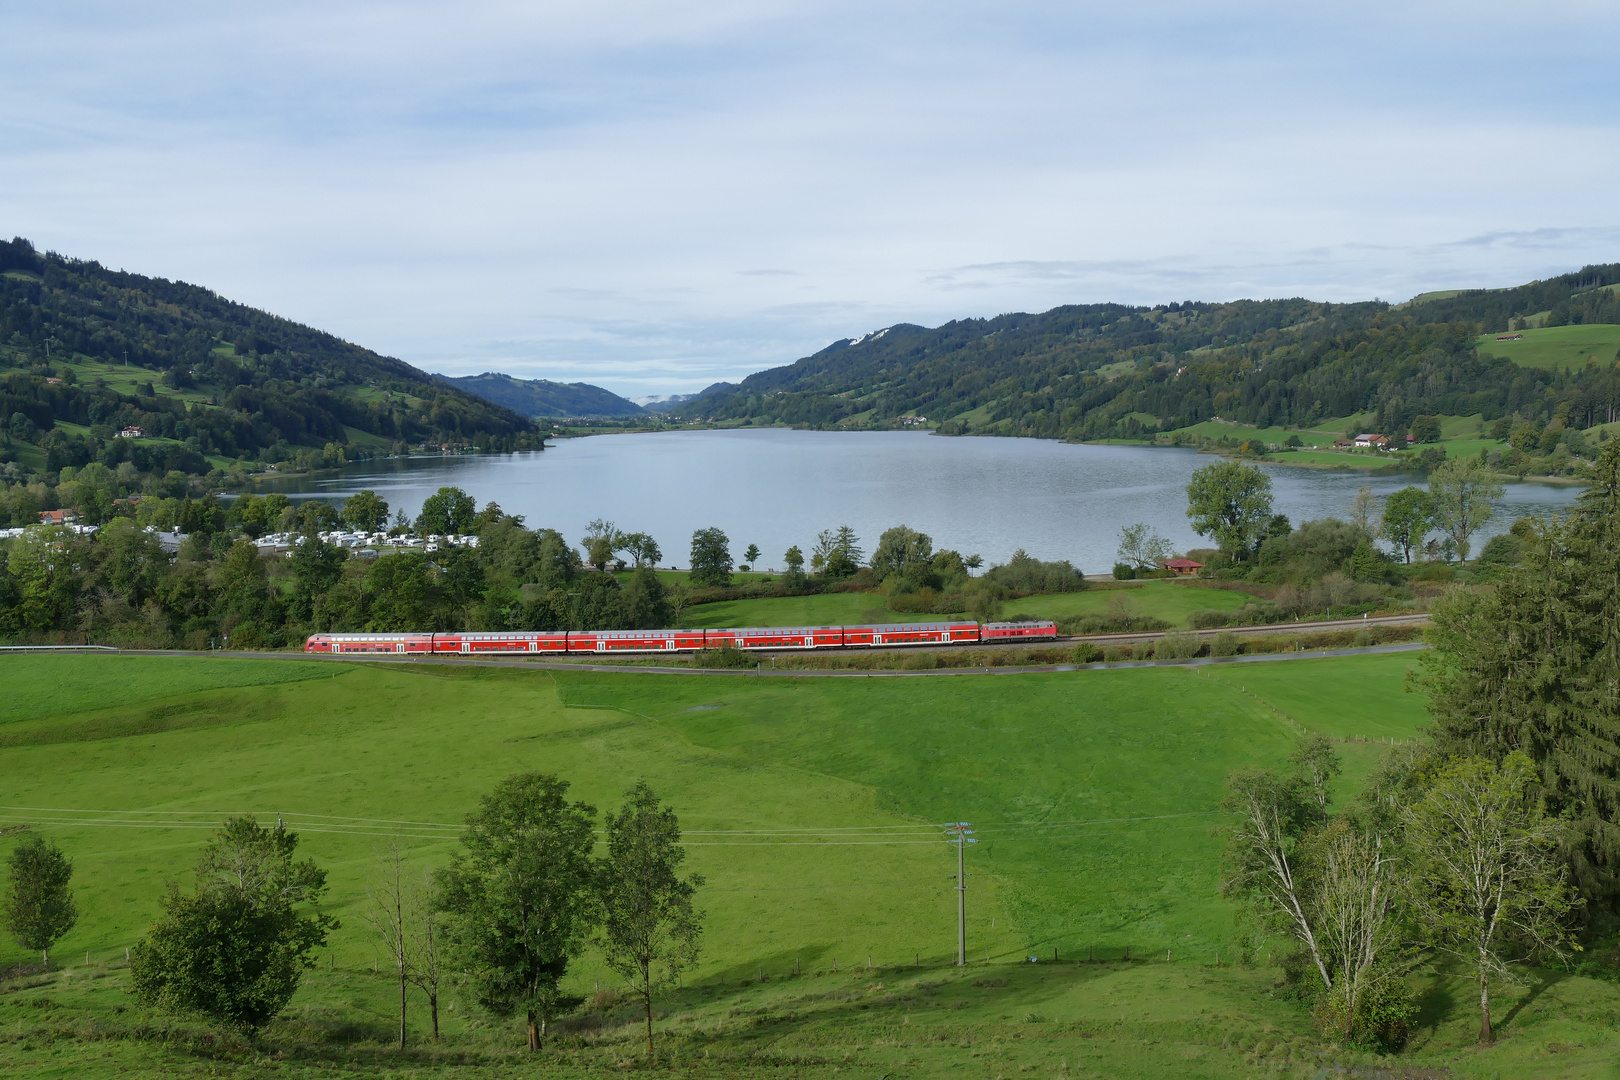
[{"x": 777, "y": 487}]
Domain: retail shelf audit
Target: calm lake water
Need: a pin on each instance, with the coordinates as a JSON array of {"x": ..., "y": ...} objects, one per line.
[{"x": 775, "y": 488}]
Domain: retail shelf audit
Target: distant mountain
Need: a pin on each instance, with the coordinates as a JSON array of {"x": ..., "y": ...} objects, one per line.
[
  {"x": 542, "y": 397},
  {"x": 86, "y": 351},
  {"x": 1101, "y": 371},
  {"x": 668, "y": 402},
  {"x": 662, "y": 402}
]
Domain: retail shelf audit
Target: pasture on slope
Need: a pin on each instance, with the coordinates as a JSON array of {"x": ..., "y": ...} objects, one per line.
[{"x": 811, "y": 805}]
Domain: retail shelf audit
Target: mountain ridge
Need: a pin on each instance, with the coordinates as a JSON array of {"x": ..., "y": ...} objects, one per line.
[
  {"x": 536, "y": 398},
  {"x": 1098, "y": 371}
]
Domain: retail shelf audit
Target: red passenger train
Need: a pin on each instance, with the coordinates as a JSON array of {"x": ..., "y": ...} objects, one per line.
[{"x": 617, "y": 641}]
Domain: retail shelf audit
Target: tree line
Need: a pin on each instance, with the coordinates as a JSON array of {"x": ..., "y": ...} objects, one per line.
[
  {"x": 525, "y": 894},
  {"x": 121, "y": 586}
]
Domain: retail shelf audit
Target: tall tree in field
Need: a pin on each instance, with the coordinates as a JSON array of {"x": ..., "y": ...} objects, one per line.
[
  {"x": 39, "y": 906},
  {"x": 388, "y": 910},
  {"x": 1529, "y": 665},
  {"x": 751, "y": 556},
  {"x": 366, "y": 511},
  {"x": 650, "y": 930},
  {"x": 236, "y": 946},
  {"x": 1231, "y": 504},
  {"x": 1462, "y": 490},
  {"x": 518, "y": 897},
  {"x": 711, "y": 557},
  {"x": 1326, "y": 883},
  {"x": 1407, "y": 519},
  {"x": 1490, "y": 885}
]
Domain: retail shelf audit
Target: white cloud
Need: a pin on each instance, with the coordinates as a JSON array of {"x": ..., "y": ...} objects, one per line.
[{"x": 654, "y": 196}]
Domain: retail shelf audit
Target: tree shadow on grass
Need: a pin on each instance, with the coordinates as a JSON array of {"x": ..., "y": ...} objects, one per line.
[{"x": 1541, "y": 980}]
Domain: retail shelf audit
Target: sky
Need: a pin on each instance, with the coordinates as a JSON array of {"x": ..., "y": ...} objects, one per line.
[{"x": 654, "y": 196}]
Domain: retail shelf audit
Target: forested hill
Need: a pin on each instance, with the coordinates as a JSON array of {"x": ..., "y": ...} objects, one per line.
[
  {"x": 541, "y": 397},
  {"x": 86, "y": 351},
  {"x": 1110, "y": 370}
]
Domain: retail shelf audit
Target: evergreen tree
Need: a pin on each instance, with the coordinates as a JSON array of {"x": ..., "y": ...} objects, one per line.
[{"x": 1530, "y": 666}]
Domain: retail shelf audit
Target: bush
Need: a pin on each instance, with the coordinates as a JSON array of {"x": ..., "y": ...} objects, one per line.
[
  {"x": 1113, "y": 654},
  {"x": 1208, "y": 619},
  {"x": 1087, "y": 653},
  {"x": 1224, "y": 645},
  {"x": 1384, "y": 1019},
  {"x": 726, "y": 656},
  {"x": 1177, "y": 645},
  {"x": 1434, "y": 571},
  {"x": 1124, "y": 572},
  {"x": 1095, "y": 623},
  {"x": 1143, "y": 651},
  {"x": 1026, "y": 575}
]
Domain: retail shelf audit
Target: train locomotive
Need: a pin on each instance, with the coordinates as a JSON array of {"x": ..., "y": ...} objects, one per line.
[{"x": 763, "y": 638}]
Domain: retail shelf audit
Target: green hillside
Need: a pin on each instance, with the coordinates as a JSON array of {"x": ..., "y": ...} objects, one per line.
[
  {"x": 1557, "y": 348},
  {"x": 203, "y": 377},
  {"x": 1111, "y": 371},
  {"x": 808, "y": 805},
  {"x": 541, "y": 397}
]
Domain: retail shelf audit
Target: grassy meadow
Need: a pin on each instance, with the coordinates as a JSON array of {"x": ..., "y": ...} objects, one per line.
[
  {"x": 811, "y": 806},
  {"x": 1168, "y": 600},
  {"x": 1557, "y": 348}
]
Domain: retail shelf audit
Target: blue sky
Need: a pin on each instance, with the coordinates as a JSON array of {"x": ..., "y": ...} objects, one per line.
[{"x": 653, "y": 196}]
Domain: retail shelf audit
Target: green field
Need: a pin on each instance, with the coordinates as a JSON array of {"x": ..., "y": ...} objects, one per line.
[
  {"x": 1557, "y": 348},
  {"x": 810, "y": 806},
  {"x": 1171, "y": 601},
  {"x": 1167, "y": 600}
]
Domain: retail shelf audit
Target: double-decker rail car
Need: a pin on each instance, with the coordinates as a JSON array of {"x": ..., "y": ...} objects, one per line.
[
  {"x": 553, "y": 642},
  {"x": 504, "y": 641},
  {"x": 783, "y": 637},
  {"x": 369, "y": 643},
  {"x": 1017, "y": 631},
  {"x": 912, "y": 634},
  {"x": 606, "y": 641}
]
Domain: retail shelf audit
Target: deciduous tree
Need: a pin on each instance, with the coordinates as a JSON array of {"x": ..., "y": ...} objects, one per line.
[
  {"x": 650, "y": 930},
  {"x": 1407, "y": 519},
  {"x": 236, "y": 946},
  {"x": 1140, "y": 546},
  {"x": 1489, "y": 884},
  {"x": 518, "y": 897},
  {"x": 1231, "y": 503},
  {"x": 1462, "y": 490},
  {"x": 448, "y": 511},
  {"x": 39, "y": 906},
  {"x": 365, "y": 511},
  {"x": 711, "y": 557}
]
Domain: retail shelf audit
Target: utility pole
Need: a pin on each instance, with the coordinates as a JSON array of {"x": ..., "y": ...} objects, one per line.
[{"x": 962, "y": 833}]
